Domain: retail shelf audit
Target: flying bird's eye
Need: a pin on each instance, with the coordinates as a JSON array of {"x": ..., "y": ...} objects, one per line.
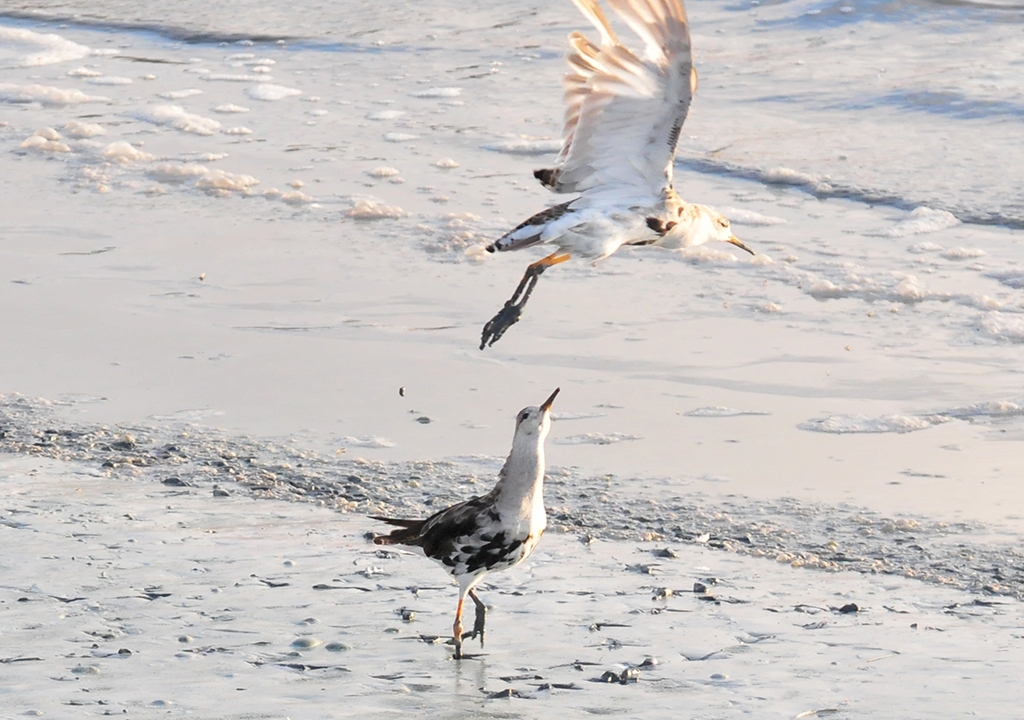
[
  {"x": 723, "y": 222},
  {"x": 523, "y": 415}
]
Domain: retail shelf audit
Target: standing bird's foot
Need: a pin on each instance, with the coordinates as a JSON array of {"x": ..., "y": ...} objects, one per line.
[
  {"x": 481, "y": 617},
  {"x": 513, "y": 309}
]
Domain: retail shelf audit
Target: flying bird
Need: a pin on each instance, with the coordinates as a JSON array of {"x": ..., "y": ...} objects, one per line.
[
  {"x": 491, "y": 532},
  {"x": 624, "y": 112}
]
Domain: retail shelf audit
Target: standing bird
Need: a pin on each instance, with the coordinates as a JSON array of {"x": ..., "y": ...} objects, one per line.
[
  {"x": 491, "y": 532},
  {"x": 623, "y": 116}
]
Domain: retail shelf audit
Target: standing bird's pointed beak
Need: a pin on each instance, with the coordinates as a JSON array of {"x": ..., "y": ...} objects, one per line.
[
  {"x": 546, "y": 406},
  {"x": 739, "y": 243}
]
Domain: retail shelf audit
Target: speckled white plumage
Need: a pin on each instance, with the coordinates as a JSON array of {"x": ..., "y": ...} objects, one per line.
[{"x": 494, "y": 531}]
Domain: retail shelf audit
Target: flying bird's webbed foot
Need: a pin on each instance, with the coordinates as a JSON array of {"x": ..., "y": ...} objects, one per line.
[{"x": 513, "y": 309}]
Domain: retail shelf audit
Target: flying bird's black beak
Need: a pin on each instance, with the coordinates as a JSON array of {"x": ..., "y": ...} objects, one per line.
[{"x": 547, "y": 403}]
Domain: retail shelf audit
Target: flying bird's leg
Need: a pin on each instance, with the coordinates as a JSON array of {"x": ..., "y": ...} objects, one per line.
[
  {"x": 481, "y": 616},
  {"x": 513, "y": 309}
]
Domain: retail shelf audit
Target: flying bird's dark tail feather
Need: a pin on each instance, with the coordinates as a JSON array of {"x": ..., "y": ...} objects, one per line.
[
  {"x": 407, "y": 534},
  {"x": 529, "y": 231}
]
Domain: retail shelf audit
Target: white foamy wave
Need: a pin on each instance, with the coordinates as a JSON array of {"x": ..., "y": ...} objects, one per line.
[
  {"x": 924, "y": 247},
  {"x": 596, "y": 439},
  {"x": 221, "y": 184},
  {"x": 850, "y": 424},
  {"x": 270, "y": 93},
  {"x": 179, "y": 94},
  {"x": 297, "y": 198},
  {"x": 921, "y": 220},
  {"x": 439, "y": 92},
  {"x": 994, "y": 409},
  {"x": 525, "y": 147},
  {"x": 962, "y": 253},
  {"x": 237, "y": 130},
  {"x": 385, "y": 115},
  {"x": 175, "y": 174},
  {"x": 383, "y": 172},
  {"x": 455, "y": 237},
  {"x": 701, "y": 254},
  {"x": 45, "y": 94},
  {"x": 848, "y": 280},
  {"x": 123, "y": 153},
  {"x": 45, "y": 140},
  {"x": 788, "y": 176},
  {"x": 84, "y": 72},
  {"x": 25, "y": 48},
  {"x": 373, "y": 209},
  {"x": 749, "y": 217},
  {"x": 78, "y": 129},
  {"x": 176, "y": 117},
  {"x": 110, "y": 80},
  {"x": 229, "y": 108},
  {"x": 397, "y": 137},
  {"x": 371, "y": 441},
  {"x": 719, "y": 411},
  {"x": 998, "y": 326}
]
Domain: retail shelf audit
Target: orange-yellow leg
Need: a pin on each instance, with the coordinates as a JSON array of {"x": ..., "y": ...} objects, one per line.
[
  {"x": 513, "y": 309},
  {"x": 457, "y": 628}
]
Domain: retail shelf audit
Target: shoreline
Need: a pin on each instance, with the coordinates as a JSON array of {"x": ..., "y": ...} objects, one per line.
[{"x": 972, "y": 556}]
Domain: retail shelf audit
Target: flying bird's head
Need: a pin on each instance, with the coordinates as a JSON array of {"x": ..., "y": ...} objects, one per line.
[
  {"x": 688, "y": 225},
  {"x": 719, "y": 229},
  {"x": 534, "y": 422}
]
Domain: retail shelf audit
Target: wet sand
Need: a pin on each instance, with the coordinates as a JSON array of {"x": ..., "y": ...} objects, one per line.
[{"x": 127, "y": 596}]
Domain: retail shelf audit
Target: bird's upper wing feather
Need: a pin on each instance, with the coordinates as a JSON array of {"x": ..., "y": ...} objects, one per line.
[{"x": 624, "y": 111}]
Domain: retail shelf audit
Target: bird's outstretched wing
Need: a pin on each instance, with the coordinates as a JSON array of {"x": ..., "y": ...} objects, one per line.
[{"x": 624, "y": 111}]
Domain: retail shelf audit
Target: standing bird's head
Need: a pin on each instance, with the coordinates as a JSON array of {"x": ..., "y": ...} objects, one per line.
[{"x": 533, "y": 423}]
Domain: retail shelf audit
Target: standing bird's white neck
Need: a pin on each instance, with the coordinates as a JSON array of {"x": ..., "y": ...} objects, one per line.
[{"x": 519, "y": 493}]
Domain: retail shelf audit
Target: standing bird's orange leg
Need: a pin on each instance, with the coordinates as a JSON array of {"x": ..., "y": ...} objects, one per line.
[
  {"x": 513, "y": 309},
  {"x": 457, "y": 628}
]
